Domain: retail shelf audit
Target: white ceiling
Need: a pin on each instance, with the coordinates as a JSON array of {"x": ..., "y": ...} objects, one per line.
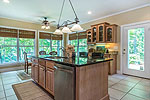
[{"x": 33, "y": 10}]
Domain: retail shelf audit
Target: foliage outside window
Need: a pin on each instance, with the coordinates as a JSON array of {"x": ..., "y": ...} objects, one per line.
[
  {"x": 26, "y": 45},
  {"x": 136, "y": 48},
  {"x": 56, "y": 45},
  {"x": 45, "y": 45},
  {"x": 8, "y": 49}
]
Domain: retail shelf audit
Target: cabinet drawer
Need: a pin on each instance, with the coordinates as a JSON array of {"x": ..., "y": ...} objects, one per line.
[
  {"x": 50, "y": 64},
  {"x": 42, "y": 62}
]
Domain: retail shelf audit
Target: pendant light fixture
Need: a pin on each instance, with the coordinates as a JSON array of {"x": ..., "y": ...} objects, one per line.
[{"x": 76, "y": 27}]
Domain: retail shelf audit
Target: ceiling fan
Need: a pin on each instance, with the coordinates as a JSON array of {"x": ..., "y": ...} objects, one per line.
[{"x": 46, "y": 23}]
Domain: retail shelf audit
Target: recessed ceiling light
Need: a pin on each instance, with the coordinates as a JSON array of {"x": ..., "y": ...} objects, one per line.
[
  {"x": 6, "y": 1},
  {"x": 89, "y": 12}
]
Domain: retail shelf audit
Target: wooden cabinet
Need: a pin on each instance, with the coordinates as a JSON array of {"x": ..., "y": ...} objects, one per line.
[
  {"x": 102, "y": 33},
  {"x": 111, "y": 35},
  {"x": 112, "y": 64},
  {"x": 42, "y": 76},
  {"x": 50, "y": 80}
]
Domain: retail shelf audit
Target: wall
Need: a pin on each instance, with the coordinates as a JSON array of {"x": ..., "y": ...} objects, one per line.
[{"x": 133, "y": 16}]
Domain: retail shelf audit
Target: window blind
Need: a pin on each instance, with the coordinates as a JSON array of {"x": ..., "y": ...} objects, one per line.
[
  {"x": 26, "y": 34},
  {"x": 81, "y": 35},
  {"x": 7, "y": 32},
  {"x": 44, "y": 35},
  {"x": 56, "y": 37}
]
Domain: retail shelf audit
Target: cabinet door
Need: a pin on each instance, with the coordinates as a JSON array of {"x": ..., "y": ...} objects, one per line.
[
  {"x": 101, "y": 33},
  {"x": 109, "y": 34},
  {"x": 94, "y": 32},
  {"x": 89, "y": 36},
  {"x": 50, "y": 80},
  {"x": 36, "y": 69},
  {"x": 42, "y": 76},
  {"x": 33, "y": 71}
]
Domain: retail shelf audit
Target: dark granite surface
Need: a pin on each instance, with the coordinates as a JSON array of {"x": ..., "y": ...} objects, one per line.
[{"x": 73, "y": 62}]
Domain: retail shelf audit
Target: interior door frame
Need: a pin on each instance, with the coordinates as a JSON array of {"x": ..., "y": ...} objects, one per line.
[{"x": 122, "y": 43}]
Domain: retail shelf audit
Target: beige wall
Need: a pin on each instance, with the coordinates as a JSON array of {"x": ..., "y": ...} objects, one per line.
[{"x": 138, "y": 15}]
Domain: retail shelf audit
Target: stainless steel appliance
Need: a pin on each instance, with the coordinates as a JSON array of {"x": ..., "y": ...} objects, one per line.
[{"x": 64, "y": 84}]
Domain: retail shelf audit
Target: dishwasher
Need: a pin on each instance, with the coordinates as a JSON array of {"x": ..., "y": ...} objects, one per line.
[{"x": 64, "y": 82}]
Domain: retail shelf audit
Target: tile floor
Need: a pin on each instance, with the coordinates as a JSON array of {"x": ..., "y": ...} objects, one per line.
[{"x": 121, "y": 87}]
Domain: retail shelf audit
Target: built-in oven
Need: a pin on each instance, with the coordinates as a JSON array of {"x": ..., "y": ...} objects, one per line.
[{"x": 64, "y": 84}]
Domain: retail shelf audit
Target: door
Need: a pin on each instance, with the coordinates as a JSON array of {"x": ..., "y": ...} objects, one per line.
[
  {"x": 36, "y": 73},
  {"x": 136, "y": 50},
  {"x": 42, "y": 76},
  {"x": 50, "y": 80}
]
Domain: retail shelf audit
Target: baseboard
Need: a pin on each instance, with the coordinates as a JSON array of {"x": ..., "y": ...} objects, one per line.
[{"x": 11, "y": 69}]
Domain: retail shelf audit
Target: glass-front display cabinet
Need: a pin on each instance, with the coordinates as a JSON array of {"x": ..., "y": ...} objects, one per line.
[
  {"x": 111, "y": 35},
  {"x": 101, "y": 34}
]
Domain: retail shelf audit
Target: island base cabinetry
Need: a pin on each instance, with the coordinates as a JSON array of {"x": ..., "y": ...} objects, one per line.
[
  {"x": 92, "y": 82},
  {"x": 42, "y": 72}
]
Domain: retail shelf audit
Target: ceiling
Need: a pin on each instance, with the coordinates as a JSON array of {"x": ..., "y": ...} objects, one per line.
[{"x": 33, "y": 10}]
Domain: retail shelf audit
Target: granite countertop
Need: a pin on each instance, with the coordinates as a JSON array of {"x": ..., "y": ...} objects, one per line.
[{"x": 73, "y": 62}]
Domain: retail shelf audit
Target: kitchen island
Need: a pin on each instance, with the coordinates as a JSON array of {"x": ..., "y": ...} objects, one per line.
[{"x": 72, "y": 78}]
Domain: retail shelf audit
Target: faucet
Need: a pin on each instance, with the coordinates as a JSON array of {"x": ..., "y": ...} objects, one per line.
[{"x": 64, "y": 51}]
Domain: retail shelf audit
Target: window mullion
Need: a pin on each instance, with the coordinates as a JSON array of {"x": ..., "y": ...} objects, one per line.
[{"x": 18, "y": 45}]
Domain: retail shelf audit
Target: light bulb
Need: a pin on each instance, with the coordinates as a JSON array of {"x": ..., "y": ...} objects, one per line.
[{"x": 43, "y": 27}]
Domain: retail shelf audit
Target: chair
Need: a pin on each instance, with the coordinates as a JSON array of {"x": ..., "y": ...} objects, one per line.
[
  {"x": 27, "y": 63},
  {"x": 53, "y": 53},
  {"x": 42, "y": 52}
]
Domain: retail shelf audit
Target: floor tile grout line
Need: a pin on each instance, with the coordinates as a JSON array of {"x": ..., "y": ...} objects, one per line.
[
  {"x": 4, "y": 89},
  {"x": 129, "y": 90}
]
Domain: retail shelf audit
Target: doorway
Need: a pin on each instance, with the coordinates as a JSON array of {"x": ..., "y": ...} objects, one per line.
[{"x": 135, "y": 47}]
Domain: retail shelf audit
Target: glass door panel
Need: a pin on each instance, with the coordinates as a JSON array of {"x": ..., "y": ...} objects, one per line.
[
  {"x": 94, "y": 30},
  {"x": 136, "y": 49},
  {"x": 101, "y": 34}
]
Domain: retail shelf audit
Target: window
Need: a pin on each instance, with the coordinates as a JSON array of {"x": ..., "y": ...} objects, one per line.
[
  {"x": 13, "y": 43},
  {"x": 79, "y": 40},
  {"x": 26, "y": 43},
  {"x": 8, "y": 45},
  {"x": 50, "y": 42},
  {"x": 57, "y": 44},
  {"x": 45, "y": 42}
]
